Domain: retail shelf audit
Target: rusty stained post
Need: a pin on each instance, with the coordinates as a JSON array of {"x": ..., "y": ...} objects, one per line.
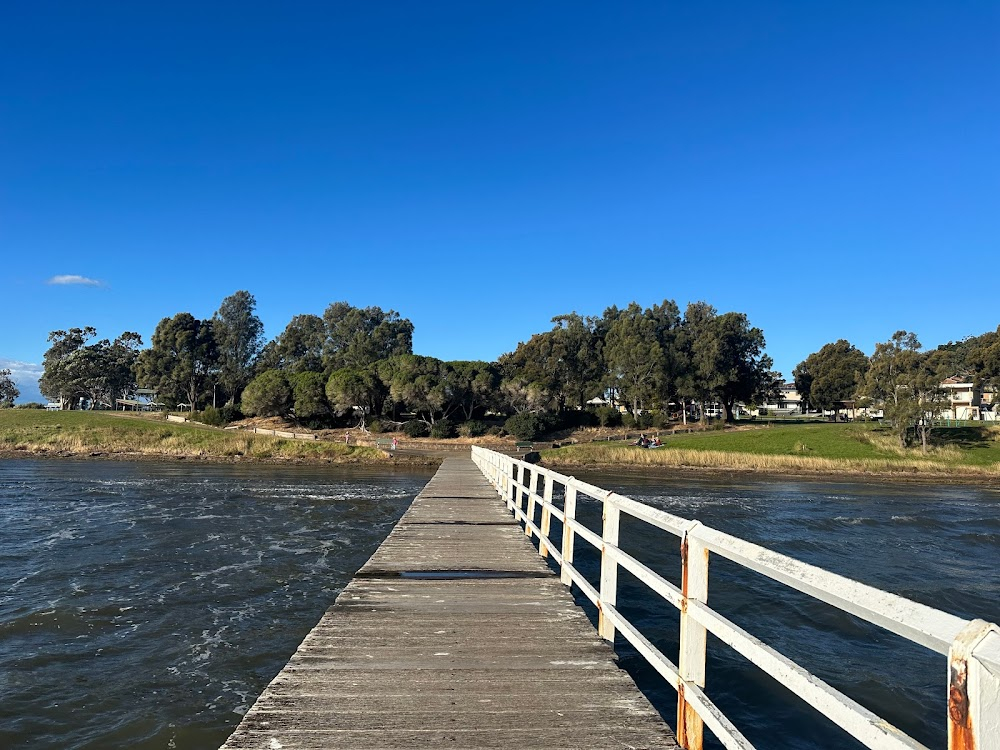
[
  {"x": 609, "y": 569},
  {"x": 532, "y": 491},
  {"x": 974, "y": 689},
  {"x": 543, "y": 547},
  {"x": 569, "y": 512},
  {"x": 691, "y": 664}
]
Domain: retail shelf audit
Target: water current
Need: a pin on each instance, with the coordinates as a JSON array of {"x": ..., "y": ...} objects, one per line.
[{"x": 146, "y": 605}]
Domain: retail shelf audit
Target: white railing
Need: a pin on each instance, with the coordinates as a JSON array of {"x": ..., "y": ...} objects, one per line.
[{"x": 972, "y": 646}]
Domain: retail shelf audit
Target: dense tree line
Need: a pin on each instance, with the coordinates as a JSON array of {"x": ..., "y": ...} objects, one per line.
[
  {"x": 357, "y": 365},
  {"x": 900, "y": 378}
]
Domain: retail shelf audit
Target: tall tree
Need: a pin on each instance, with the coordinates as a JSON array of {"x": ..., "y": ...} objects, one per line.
[
  {"x": 61, "y": 374},
  {"x": 357, "y": 337},
  {"x": 476, "y": 384},
  {"x": 695, "y": 356},
  {"x": 634, "y": 358},
  {"x": 299, "y": 348},
  {"x": 831, "y": 376},
  {"x": 357, "y": 389},
  {"x": 734, "y": 362},
  {"x": 8, "y": 390},
  {"x": 908, "y": 385},
  {"x": 181, "y": 362},
  {"x": 239, "y": 336},
  {"x": 99, "y": 373}
]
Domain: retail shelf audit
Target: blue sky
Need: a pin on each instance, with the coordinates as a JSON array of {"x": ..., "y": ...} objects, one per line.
[{"x": 829, "y": 169}]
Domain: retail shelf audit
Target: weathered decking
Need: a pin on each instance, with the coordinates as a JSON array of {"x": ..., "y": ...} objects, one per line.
[{"x": 412, "y": 655}]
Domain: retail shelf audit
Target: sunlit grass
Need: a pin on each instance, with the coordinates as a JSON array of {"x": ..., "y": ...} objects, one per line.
[
  {"x": 82, "y": 433},
  {"x": 817, "y": 448}
]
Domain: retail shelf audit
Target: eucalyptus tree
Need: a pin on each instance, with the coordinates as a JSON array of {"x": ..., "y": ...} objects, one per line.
[
  {"x": 182, "y": 361},
  {"x": 8, "y": 390},
  {"x": 907, "y": 383},
  {"x": 101, "y": 372},
  {"x": 634, "y": 358},
  {"x": 357, "y": 389},
  {"x": 695, "y": 345},
  {"x": 740, "y": 369},
  {"x": 830, "y": 376},
  {"x": 564, "y": 363},
  {"x": 239, "y": 337},
  {"x": 299, "y": 348},
  {"x": 359, "y": 337},
  {"x": 475, "y": 386}
]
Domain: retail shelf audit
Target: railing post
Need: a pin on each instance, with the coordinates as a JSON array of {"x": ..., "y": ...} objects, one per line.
[
  {"x": 691, "y": 664},
  {"x": 609, "y": 569},
  {"x": 974, "y": 689},
  {"x": 569, "y": 514},
  {"x": 543, "y": 547},
  {"x": 520, "y": 484},
  {"x": 532, "y": 491}
]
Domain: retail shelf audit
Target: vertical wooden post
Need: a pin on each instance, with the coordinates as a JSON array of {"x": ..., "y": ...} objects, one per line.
[
  {"x": 569, "y": 512},
  {"x": 609, "y": 569},
  {"x": 543, "y": 546},
  {"x": 532, "y": 491},
  {"x": 691, "y": 664}
]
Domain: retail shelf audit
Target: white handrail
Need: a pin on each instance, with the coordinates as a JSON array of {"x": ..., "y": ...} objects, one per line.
[{"x": 973, "y": 647}]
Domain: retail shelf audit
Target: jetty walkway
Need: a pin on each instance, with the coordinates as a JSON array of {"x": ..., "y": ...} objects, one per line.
[{"x": 454, "y": 634}]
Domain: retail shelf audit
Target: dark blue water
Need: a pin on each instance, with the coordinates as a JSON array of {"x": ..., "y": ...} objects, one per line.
[
  {"x": 938, "y": 545},
  {"x": 147, "y": 605}
]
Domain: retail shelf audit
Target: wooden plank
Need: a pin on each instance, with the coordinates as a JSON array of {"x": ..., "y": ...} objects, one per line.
[{"x": 454, "y": 634}]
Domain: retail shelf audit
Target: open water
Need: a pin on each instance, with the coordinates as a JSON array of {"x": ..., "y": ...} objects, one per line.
[{"x": 146, "y": 605}]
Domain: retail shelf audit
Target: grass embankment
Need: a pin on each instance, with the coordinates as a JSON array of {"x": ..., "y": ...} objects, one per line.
[
  {"x": 80, "y": 433},
  {"x": 803, "y": 448}
]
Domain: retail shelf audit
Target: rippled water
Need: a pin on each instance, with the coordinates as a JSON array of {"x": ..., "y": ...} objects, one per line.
[
  {"x": 146, "y": 605},
  {"x": 938, "y": 545}
]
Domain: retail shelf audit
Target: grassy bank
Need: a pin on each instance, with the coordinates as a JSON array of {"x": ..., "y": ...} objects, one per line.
[
  {"x": 803, "y": 448},
  {"x": 33, "y": 432}
]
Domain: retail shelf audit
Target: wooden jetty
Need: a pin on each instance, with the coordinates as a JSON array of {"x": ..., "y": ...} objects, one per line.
[{"x": 454, "y": 634}]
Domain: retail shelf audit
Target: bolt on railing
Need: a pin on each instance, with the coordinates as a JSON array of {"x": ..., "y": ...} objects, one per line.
[{"x": 972, "y": 646}]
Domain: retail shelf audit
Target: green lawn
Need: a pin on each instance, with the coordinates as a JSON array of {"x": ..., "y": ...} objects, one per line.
[{"x": 822, "y": 447}]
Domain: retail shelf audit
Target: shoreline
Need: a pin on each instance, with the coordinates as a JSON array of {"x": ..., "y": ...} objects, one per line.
[
  {"x": 98, "y": 455},
  {"x": 846, "y": 475},
  {"x": 431, "y": 459}
]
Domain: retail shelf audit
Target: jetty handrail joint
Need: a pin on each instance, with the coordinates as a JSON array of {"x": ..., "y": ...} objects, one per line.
[{"x": 972, "y": 646}]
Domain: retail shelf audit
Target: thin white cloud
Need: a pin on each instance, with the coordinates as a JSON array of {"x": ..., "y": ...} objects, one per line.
[{"x": 70, "y": 278}]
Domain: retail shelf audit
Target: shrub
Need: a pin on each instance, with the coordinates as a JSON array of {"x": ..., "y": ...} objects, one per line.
[
  {"x": 30, "y": 405},
  {"x": 527, "y": 426},
  {"x": 268, "y": 395},
  {"x": 415, "y": 428},
  {"x": 496, "y": 431},
  {"x": 209, "y": 415},
  {"x": 661, "y": 419},
  {"x": 442, "y": 429},
  {"x": 628, "y": 421},
  {"x": 608, "y": 417},
  {"x": 375, "y": 427},
  {"x": 473, "y": 428},
  {"x": 230, "y": 413}
]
